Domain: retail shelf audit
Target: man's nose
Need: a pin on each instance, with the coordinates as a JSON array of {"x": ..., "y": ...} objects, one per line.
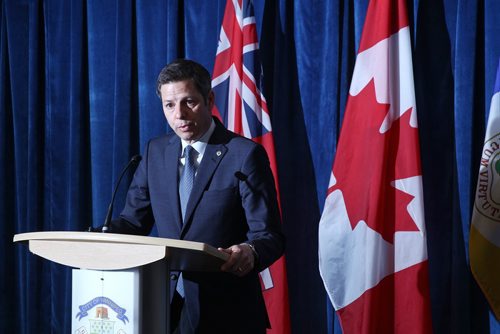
[{"x": 180, "y": 110}]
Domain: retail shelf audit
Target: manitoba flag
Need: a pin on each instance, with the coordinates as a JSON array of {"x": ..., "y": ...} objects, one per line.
[
  {"x": 484, "y": 245},
  {"x": 372, "y": 240},
  {"x": 240, "y": 104}
]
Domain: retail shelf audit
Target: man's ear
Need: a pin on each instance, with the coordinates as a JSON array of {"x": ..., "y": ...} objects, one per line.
[{"x": 211, "y": 100}]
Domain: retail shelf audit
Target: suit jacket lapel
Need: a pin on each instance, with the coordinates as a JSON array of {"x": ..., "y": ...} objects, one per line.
[
  {"x": 214, "y": 153},
  {"x": 171, "y": 160}
]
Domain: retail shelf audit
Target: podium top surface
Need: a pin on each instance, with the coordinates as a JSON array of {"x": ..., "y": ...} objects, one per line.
[{"x": 110, "y": 251}]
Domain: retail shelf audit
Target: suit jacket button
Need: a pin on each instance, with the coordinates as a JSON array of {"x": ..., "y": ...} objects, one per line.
[{"x": 173, "y": 277}]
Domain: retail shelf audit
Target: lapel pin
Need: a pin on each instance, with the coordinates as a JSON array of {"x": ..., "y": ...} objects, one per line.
[{"x": 218, "y": 153}]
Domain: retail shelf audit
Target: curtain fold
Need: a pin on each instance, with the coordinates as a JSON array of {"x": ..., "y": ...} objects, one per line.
[
  {"x": 78, "y": 100},
  {"x": 156, "y": 19}
]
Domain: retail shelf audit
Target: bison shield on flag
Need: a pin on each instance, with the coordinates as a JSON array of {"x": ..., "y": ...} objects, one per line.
[
  {"x": 241, "y": 106},
  {"x": 372, "y": 242}
]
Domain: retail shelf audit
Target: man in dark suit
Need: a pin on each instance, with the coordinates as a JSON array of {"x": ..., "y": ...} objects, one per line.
[{"x": 232, "y": 204}]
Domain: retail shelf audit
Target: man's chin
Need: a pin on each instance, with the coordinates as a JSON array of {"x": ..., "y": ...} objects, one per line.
[{"x": 189, "y": 137}]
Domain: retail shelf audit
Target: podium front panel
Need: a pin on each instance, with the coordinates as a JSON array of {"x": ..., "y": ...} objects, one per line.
[{"x": 105, "y": 302}]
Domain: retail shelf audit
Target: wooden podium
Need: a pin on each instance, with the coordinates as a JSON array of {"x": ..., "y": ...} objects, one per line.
[{"x": 155, "y": 257}]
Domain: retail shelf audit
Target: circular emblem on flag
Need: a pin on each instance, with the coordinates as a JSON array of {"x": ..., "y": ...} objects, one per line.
[{"x": 488, "y": 183}]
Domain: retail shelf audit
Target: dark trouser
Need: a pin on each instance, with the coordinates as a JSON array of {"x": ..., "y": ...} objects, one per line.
[
  {"x": 175, "y": 313},
  {"x": 180, "y": 324}
]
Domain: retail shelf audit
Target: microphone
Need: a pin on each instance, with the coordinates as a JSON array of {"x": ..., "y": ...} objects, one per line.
[{"x": 135, "y": 160}]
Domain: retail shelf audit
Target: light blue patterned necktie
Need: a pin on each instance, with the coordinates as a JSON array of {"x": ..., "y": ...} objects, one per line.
[
  {"x": 185, "y": 186},
  {"x": 187, "y": 178}
]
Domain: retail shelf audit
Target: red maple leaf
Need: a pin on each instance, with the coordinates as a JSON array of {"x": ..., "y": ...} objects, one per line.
[{"x": 367, "y": 161}]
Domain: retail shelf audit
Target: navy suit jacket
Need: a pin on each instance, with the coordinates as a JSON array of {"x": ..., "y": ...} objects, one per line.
[{"x": 233, "y": 201}]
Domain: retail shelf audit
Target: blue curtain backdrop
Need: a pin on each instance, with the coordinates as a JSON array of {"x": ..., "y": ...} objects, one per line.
[{"x": 77, "y": 100}]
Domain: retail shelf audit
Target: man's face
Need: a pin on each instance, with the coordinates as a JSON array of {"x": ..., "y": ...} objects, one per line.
[{"x": 185, "y": 109}]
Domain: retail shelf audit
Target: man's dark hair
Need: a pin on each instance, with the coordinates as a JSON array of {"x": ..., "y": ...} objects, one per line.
[{"x": 184, "y": 69}]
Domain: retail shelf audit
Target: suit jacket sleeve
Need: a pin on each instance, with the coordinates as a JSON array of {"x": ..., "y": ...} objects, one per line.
[{"x": 259, "y": 201}]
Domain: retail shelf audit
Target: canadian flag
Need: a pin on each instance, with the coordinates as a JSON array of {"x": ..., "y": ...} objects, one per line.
[{"x": 372, "y": 240}]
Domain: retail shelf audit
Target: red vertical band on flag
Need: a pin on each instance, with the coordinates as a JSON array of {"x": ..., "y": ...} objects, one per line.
[
  {"x": 405, "y": 302},
  {"x": 241, "y": 106}
]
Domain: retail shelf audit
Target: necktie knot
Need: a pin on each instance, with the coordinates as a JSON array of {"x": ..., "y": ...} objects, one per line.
[{"x": 189, "y": 155}]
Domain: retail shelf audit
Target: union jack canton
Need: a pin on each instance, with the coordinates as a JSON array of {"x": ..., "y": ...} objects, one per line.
[{"x": 237, "y": 74}]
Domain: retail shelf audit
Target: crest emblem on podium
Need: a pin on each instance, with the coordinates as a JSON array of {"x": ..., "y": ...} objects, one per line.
[{"x": 101, "y": 323}]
